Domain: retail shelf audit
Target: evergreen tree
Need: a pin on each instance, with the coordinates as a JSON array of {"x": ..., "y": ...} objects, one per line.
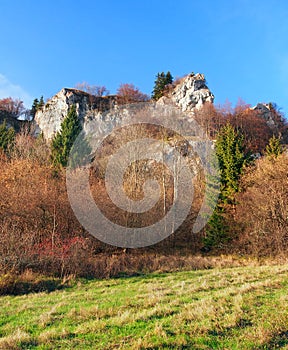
[
  {"x": 169, "y": 78},
  {"x": 37, "y": 104},
  {"x": 34, "y": 107},
  {"x": 41, "y": 102},
  {"x": 274, "y": 147},
  {"x": 80, "y": 152},
  {"x": 64, "y": 139},
  {"x": 217, "y": 230},
  {"x": 7, "y": 136},
  {"x": 162, "y": 80},
  {"x": 231, "y": 159}
]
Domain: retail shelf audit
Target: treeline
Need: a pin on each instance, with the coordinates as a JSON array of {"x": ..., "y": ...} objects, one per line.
[
  {"x": 39, "y": 231},
  {"x": 13, "y": 108}
]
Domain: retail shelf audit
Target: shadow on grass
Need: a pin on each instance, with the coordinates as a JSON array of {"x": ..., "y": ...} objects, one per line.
[
  {"x": 278, "y": 341},
  {"x": 19, "y": 285},
  {"x": 240, "y": 324}
]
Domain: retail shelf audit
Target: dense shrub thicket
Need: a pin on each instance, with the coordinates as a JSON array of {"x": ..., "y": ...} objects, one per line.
[{"x": 39, "y": 231}]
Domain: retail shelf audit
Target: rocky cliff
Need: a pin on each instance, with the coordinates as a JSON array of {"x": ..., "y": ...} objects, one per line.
[
  {"x": 188, "y": 93},
  {"x": 267, "y": 112},
  {"x": 50, "y": 117},
  {"x": 11, "y": 121}
]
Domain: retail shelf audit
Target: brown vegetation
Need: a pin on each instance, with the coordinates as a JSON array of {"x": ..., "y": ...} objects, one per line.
[
  {"x": 128, "y": 93},
  {"x": 262, "y": 210},
  {"x": 94, "y": 90},
  {"x": 38, "y": 230},
  {"x": 249, "y": 122},
  {"x": 12, "y": 107}
]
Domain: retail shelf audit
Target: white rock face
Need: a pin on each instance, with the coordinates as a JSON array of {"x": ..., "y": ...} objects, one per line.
[
  {"x": 190, "y": 93},
  {"x": 264, "y": 109},
  {"x": 50, "y": 117}
]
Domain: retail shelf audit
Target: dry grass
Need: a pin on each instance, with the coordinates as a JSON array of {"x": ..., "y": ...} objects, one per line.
[{"x": 234, "y": 308}]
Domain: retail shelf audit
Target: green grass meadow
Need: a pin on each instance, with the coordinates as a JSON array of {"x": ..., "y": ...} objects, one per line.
[{"x": 232, "y": 308}]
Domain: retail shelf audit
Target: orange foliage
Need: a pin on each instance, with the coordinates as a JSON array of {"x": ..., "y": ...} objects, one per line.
[
  {"x": 128, "y": 93},
  {"x": 13, "y": 107}
]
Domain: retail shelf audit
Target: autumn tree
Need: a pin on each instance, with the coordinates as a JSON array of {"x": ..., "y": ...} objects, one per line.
[
  {"x": 11, "y": 107},
  {"x": 128, "y": 93},
  {"x": 94, "y": 90},
  {"x": 64, "y": 139},
  {"x": 161, "y": 82},
  {"x": 262, "y": 208},
  {"x": 210, "y": 119},
  {"x": 252, "y": 125}
]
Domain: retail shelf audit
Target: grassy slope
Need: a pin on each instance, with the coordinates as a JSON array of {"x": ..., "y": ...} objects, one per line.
[{"x": 236, "y": 308}]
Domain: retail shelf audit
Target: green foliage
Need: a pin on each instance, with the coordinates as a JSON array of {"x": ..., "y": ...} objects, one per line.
[
  {"x": 41, "y": 102},
  {"x": 231, "y": 157},
  {"x": 274, "y": 147},
  {"x": 37, "y": 105},
  {"x": 64, "y": 139},
  {"x": 79, "y": 155},
  {"x": 206, "y": 309},
  {"x": 7, "y": 136},
  {"x": 217, "y": 230},
  {"x": 162, "y": 80}
]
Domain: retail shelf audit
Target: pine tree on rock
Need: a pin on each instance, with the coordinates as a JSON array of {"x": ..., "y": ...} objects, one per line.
[
  {"x": 64, "y": 139},
  {"x": 37, "y": 104},
  {"x": 41, "y": 102},
  {"x": 162, "y": 80},
  {"x": 34, "y": 108}
]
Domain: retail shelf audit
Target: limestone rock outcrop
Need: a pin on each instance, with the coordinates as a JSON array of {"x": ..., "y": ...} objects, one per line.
[
  {"x": 187, "y": 94},
  {"x": 267, "y": 112},
  {"x": 50, "y": 117}
]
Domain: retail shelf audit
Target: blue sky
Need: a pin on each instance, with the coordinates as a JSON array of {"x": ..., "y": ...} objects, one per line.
[{"x": 241, "y": 46}]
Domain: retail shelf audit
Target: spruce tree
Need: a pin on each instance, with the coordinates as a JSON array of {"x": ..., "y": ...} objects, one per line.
[
  {"x": 7, "y": 136},
  {"x": 217, "y": 230},
  {"x": 162, "y": 80},
  {"x": 64, "y": 139},
  {"x": 231, "y": 160},
  {"x": 274, "y": 147},
  {"x": 231, "y": 157},
  {"x": 41, "y": 102},
  {"x": 35, "y": 107},
  {"x": 37, "y": 104}
]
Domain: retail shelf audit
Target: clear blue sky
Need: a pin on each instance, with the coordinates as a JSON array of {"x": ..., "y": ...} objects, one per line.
[{"x": 240, "y": 45}]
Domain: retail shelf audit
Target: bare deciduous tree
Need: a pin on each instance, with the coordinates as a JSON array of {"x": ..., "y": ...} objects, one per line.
[
  {"x": 14, "y": 107},
  {"x": 128, "y": 93},
  {"x": 262, "y": 212},
  {"x": 95, "y": 90}
]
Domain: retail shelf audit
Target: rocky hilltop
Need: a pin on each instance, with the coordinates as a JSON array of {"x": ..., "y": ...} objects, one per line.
[
  {"x": 267, "y": 112},
  {"x": 188, "y": 93},
  {"x": 50, "y": 117}
]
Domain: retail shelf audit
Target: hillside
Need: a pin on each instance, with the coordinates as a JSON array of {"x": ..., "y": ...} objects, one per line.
[{"x": 235, "y": 308}]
